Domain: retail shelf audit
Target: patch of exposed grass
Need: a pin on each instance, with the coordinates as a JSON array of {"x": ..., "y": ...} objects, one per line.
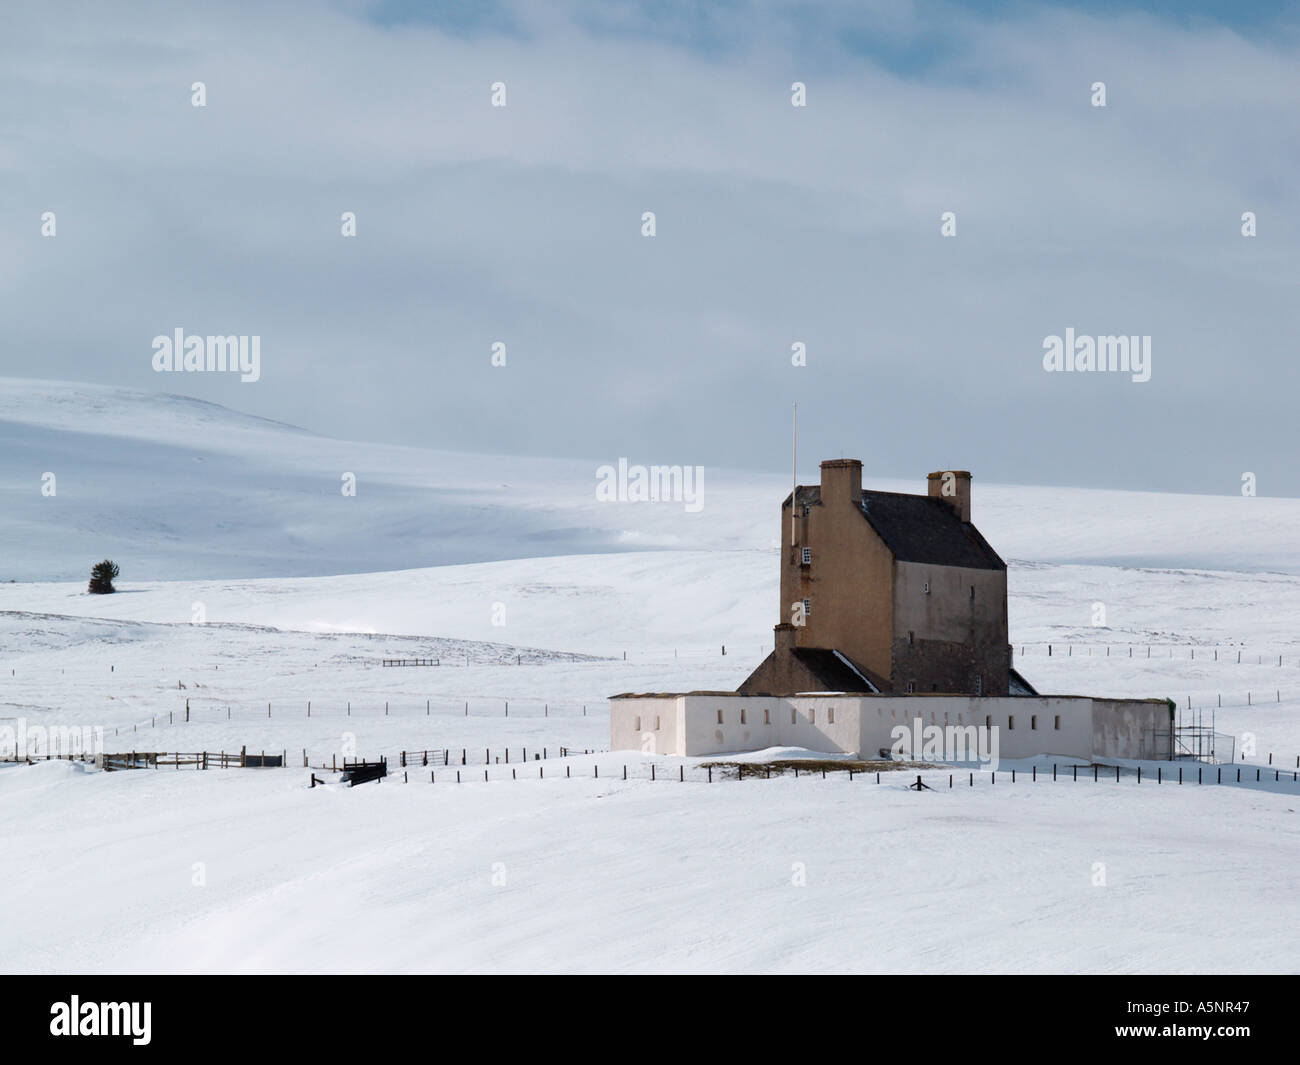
[{"x": 781, "y": 766}]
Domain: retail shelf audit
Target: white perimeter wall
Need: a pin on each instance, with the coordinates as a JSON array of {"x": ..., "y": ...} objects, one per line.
[
  {"x": 653, "y": 725},
  {"x": 1070, "y": 726}
]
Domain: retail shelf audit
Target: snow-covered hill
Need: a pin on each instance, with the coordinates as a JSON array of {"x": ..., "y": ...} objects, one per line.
[{"x": 178, "y": 489}]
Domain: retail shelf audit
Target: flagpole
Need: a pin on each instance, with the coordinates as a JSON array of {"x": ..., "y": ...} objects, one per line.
[{"x": 794, "y": 469}]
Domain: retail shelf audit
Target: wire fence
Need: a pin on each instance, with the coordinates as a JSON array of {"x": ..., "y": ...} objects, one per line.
[
  {"x": 930, "y": 780},
  {"x": 1176, "y": 652}
]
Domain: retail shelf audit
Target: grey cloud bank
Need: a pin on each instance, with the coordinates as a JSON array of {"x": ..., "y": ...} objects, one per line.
[{"x": 776, "y": 225}]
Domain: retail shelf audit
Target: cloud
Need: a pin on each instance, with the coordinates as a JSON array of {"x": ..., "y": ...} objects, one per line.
[{"x": 775, "y": 225}]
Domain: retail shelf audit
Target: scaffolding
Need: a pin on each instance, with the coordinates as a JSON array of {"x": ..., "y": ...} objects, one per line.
[{"x": 1191, "y": 739}]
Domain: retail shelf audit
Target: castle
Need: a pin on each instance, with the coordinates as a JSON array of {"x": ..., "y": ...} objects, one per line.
[{"x": 893, "y": 620}]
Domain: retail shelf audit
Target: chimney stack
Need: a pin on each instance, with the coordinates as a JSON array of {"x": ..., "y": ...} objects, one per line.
[
  {"x": 841, "y": 480},
  {"x": 953, "y": 487}
]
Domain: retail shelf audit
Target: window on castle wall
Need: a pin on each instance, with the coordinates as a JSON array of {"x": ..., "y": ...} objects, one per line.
[
  {"x": 1058, "y": 721},
  {"x": 812, "y": 715},
  {"x": 1011, "y": 721},
  {"x": 911, "y": 686},
  {"x": 830, "y": 715},
  {"x": 767, "y": 717},
  {"x": 656, "y": 724},
  {"x": 794, "y": 716},
  {"x": 638, "y": 724},
  {"x": 1033, "y": 721},
  {"x": 719, "y": 717},
  {"x": 806, "y": 556},
  {"x": 972, "y": 591},
  {"x": 911, "y": 637},
  {"x": 742, "y": 715}
]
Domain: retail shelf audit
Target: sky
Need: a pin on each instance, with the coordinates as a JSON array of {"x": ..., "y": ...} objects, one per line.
[{"x": 775, "y": 225}]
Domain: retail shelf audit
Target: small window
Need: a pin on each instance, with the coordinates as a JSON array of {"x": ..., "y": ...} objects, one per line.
[
  {"x": 742, "y": 715},
  {"x": 972, "y": 591},
  {"x": 807, "y": 608},
  {"x": 1033, "y": 721},
  {"x": 1058, "y": 722},
  {"x": 807, "y": 556},
  {"x": 979, "y": 685},
  {"x": 806, "y": 511},
  {"x": 911, "y": 686},
  {"x": 1011, "y": 721},
  {"x": 927, "y": 588},
  {"x": 911, "y": 637},
  {"x": 719, "y": 715},
  {"x": 767, "y": 717},
  {"x": 830, "y": 715},
  {"x": 638, "y": 724},
  {"x": 794, "y": 718},
  {"x": 812, "y": 715},
  {"x": 988, "y": 721},
  {"x": 656, "y": 723}
]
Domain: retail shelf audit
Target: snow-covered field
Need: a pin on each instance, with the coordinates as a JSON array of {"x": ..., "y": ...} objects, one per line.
[
  {"x": 253, "y": 872},
  {"x": 532, "y": 594}
]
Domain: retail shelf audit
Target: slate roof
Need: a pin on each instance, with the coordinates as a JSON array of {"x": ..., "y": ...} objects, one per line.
[
  {"x": 835, "y": 671},
  {"x": 921, "y": 529},
  {"x": 1020, "y": 686}
]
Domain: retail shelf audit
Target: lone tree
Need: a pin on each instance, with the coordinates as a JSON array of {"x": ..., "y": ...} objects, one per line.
[{"x": 101, "y": 577}]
